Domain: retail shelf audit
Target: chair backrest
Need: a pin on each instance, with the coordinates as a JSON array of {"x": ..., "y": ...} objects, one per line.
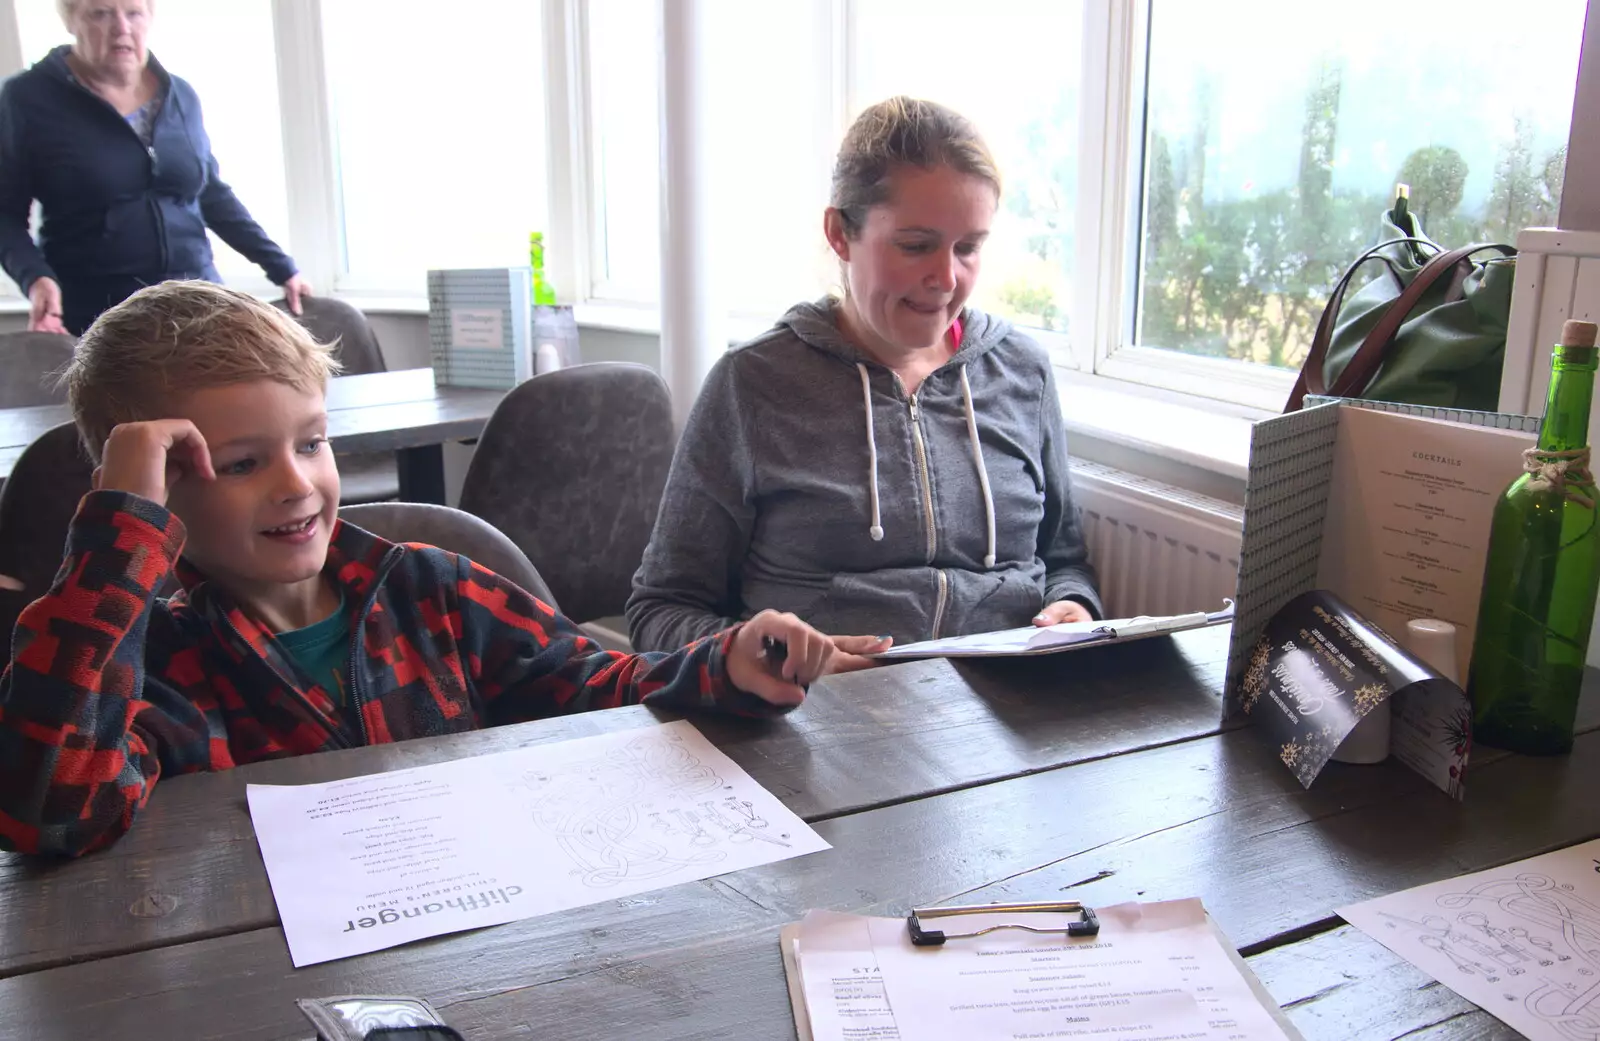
[
  {"x": 571, "y": 466},
  {"x": 36, "y": 508},
  {"x": 331, "y": 320},
  {"x": 29, "y": 364},
  {"x": 451, "y": 530}
]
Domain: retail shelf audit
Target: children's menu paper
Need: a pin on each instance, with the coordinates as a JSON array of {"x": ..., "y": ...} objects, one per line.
[
  {"x": 371, "y": 862},
  {"x": 1407, "y": 528},
  {"x": 1155, "y": 971},
  {"x": 1520, "y": 941},
  {"x": 1320, "y": 668}
]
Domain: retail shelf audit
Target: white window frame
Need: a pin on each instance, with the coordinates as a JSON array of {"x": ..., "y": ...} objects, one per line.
[
  {"x": 1100, "y": 342},
  {"x": 1099, "y": 345},
  {"x": 1116, "y": 38}
]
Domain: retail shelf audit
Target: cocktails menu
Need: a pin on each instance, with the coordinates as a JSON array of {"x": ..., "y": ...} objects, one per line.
[{"x": 1406, "y": 531}]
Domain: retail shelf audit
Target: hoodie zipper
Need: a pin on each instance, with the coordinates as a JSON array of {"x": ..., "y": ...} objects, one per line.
[
  {"x": 357, "y": 687},
  {"x": 927, "y": 513},
  {"x": 335, "y": 735},
  {"x": 357, "y": 627},
  {"x": 922, "y": 476}
]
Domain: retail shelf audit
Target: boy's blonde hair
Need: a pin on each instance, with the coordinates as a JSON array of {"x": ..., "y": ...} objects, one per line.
[{"x": 172, "y": 339}]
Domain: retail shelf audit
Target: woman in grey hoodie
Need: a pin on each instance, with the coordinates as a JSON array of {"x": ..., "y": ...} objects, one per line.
[{"x": 893, "y": 462}]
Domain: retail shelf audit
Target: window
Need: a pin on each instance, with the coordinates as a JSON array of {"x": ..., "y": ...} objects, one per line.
[
  {"x": 238, "y": 89},
  {"x": 439, "y": 136},
  {"x": 1265, "y": 175},
  {"x": 625, "y": 156},
  {"x": 1183, "y": 182},
  {"x": 1014, "y": 73},
  {"x": 771, "y": 128}
]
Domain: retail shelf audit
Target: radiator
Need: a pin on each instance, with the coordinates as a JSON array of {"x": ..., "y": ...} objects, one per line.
[{"x": 1158, "y": 549}]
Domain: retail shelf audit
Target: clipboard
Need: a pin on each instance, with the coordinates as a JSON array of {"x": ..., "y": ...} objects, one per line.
[
  {"x": 1087, "y": 925},
  {"x": 1032, "y": 641}
]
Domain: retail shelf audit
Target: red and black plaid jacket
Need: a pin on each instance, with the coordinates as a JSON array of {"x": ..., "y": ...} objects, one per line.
[{"x": 111, "y": 688}]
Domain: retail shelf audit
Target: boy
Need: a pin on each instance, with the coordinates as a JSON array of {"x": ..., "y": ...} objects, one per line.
[{"x": 294, "y": 633}]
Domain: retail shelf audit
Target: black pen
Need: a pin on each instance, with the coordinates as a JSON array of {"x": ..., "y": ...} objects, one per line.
[{"x": 777, "y": 652}]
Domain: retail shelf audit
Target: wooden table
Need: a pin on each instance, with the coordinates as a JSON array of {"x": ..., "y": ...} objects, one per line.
[
  {"x": 401, "y": 412},
  {"x": 1106, "y": 775}
]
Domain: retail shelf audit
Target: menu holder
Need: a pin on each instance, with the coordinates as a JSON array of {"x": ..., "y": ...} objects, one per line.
[
  {"x": 480, "y": 327},
  {"x": 1386, "y": 507},
  {"x": 1319, "y": 668}
]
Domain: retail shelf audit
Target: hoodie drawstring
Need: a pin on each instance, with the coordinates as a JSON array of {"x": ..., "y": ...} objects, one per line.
[
  {"x": 876, "y": 531},
  {"x": 977, "y": 458}
]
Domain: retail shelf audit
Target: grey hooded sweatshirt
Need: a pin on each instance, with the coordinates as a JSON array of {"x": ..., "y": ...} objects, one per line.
[{"x": 807, "y": 480}]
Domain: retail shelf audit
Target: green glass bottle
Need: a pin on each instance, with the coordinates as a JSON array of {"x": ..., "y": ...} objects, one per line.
[
  {"x": 542, "y": 293},
  {"x": 1540, "y": 582}
]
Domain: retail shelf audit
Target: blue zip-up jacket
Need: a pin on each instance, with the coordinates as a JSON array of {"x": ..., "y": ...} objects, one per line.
[{"x": 114, "y": 211}]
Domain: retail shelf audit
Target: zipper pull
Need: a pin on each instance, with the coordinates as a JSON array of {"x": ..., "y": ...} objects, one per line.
[{"x": 913, "y": 400}]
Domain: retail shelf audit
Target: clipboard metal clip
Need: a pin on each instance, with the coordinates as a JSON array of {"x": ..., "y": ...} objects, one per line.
[{"x": 1089, "y": 925}]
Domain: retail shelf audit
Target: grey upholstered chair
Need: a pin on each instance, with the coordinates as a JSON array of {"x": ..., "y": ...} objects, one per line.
[
  {"x": 36, "y": 508},
  {"x": 364, "y": 476},
  {"x": 571, "y": 466},
  {"x": 453, "y": 530},
  {"x": 29, "y": 365}
]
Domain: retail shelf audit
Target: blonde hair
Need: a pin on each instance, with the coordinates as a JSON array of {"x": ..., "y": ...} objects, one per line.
[
  {"x": 902, "y": 131},
  {"x": 175, "y": 338}
]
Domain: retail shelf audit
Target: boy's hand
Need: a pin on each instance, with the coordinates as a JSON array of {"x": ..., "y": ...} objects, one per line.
[
  {"x": 807, "y": 655},
  {"x": 148, "y": 458},
  {"x": 850, "y": 652}
]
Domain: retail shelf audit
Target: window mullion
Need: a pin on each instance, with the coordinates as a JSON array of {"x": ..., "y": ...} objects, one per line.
[
  {"x": 1106, "y": 226},
  {"x": 310, "y": 171},
  {"x": 11, "y": 59},
  {"x": 842, "y": 44},
  {"x": 568, "y": 163}
]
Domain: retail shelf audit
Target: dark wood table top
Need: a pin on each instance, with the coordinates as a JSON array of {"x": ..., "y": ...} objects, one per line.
[
  {"x": 1104, "y": 775},
  {"x": 377, "y": 412},
  {"x": 922, "y": 727}
]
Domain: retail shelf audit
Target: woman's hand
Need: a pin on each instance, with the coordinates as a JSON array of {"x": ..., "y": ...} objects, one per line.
[
  {"x": 293, "y": 290},
  {"x": 44, "y": 312},
  {"x": 1062, "y": 611}
]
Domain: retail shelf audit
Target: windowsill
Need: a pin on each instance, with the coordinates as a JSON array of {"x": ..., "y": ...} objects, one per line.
[{"x": 1208, "y": 435}]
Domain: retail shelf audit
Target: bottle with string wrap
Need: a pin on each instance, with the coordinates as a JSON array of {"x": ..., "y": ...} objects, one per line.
[{"x": 1542, "y": 574}]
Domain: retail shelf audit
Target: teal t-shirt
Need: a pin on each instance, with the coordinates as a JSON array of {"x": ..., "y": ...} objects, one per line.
[{"x": 322, "y": 651}]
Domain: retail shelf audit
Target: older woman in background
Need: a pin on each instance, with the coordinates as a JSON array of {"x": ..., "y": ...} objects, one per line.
[{"x": 114, "y": 149}]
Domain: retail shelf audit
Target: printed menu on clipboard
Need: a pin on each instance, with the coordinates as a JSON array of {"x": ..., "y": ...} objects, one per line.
[{"x": 1156, "y": 970}]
